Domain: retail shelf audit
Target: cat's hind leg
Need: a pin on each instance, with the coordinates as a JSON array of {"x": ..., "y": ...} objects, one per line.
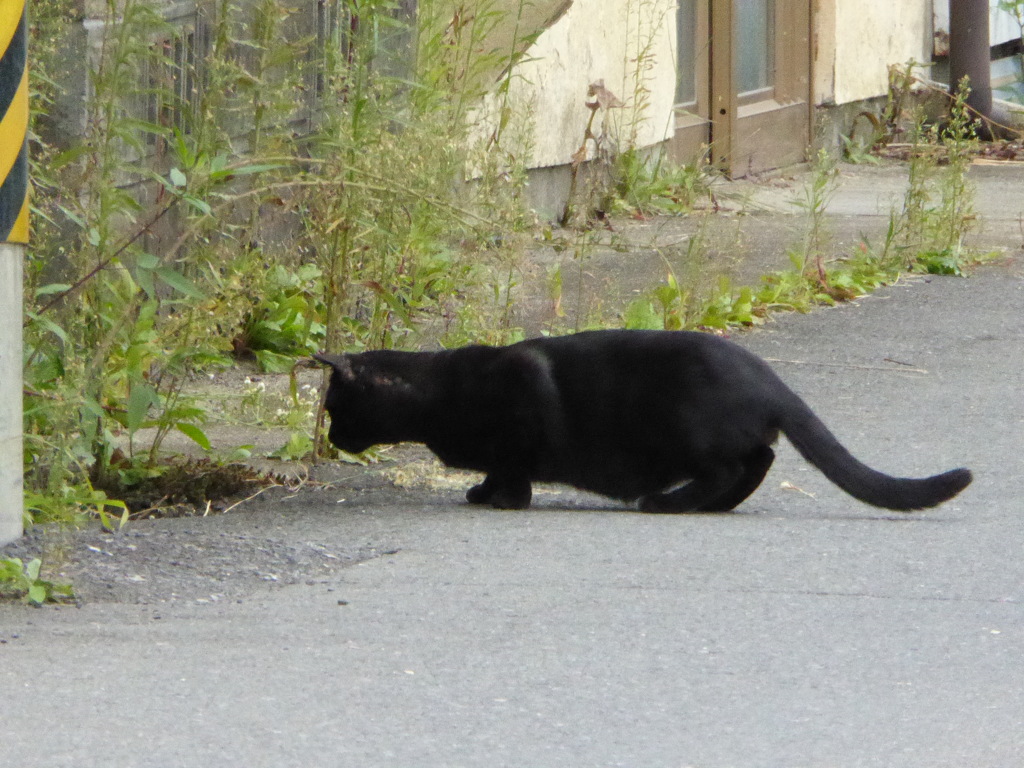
[
  {"x": 755, "y": 467},
  {"x": 691, "y": 497},
  {"x": 503, "y": 493},
  {"x": 719, "y": 488}
]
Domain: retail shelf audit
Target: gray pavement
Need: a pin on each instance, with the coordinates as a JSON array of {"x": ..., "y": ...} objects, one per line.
[{"x": 805, "y": 629}]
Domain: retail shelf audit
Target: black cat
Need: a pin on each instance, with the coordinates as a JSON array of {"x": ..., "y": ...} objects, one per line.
[{"x": 627, "y": 414}]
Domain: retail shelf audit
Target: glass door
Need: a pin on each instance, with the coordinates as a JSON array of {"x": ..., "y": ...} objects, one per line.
[
  {"x": 772, "y": 119},
  {"x": 693, "y": 53},
  {"x": 755, "y": 49}
]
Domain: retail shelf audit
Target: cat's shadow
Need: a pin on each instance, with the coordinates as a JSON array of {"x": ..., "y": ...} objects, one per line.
[{"x": 596, "y": 504}]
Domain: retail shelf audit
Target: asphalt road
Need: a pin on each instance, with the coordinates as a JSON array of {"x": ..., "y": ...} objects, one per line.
[{"x": 805, "y": 629}]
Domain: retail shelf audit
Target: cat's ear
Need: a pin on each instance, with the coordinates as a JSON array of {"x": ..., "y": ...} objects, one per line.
[{"x": 340, "y": 364}]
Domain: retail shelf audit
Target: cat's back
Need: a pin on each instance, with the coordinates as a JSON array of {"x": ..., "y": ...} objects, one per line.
[
  {"x": 623, "y": 341},
  {"x": 645, "y": 354}
]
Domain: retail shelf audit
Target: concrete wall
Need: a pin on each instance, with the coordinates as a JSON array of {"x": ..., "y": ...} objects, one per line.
[
  {"x": 595, "y": 40},
  {"x": 857, "y": 40}
]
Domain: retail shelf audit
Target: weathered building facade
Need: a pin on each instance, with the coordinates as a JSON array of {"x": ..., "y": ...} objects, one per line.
[{"x": 748, "y": 84}]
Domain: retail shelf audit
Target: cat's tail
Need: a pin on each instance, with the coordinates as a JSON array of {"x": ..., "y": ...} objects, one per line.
[{"x": 819, "y": 446}]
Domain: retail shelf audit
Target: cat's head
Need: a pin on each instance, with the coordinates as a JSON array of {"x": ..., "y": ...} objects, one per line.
[{"x": 368, "y": 403}]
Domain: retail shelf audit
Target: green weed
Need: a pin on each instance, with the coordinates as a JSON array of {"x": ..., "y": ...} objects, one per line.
[
  {"x": 925, "y": 234},
  {"x": 283, "y": 324},
  {"x": 282, "y": 193},
  {"x": 22, "y": 580},
  {"x": 649, "y": 187}
]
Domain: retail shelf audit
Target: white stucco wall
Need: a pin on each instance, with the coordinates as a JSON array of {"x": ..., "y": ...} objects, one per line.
[
  {"x": 595, "y": 40},
  {"x": 859, "y": 39}
]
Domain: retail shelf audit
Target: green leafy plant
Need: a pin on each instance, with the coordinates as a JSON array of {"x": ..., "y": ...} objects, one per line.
[
  {"x": 817, "y": 193},
  {"x": 945, "y": 262},
  {"x": 74, "y": 504},
  {"x": 646, "y": 187},
  {"x": 664, "y": 308},
  {"x": 729, "y": 307},
  {"x": 18, "y": 579},
  {"x": 278, "y": 194},
  {"x": 109, "y": 347},
  {"x": 283, "y": 323},
  {"x": 671, "y": 307},
  {"x": 298, "y": 446},
  {"x": 926, "y": 234}
]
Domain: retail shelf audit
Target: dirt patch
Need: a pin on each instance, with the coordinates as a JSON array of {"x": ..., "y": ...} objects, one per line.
[
  {"x": 204, "y": 560},
  {"x": 223, "y": 551},
  {"x": 192, "y": 487}
]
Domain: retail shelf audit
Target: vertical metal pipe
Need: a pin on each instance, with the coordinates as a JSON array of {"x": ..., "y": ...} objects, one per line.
[{"x": 969, "y": 51}]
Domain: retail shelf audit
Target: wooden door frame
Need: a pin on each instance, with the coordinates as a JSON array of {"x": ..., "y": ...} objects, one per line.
[
  {"x": 723, "y": 83},
  {"x": 793, "y": 76}
]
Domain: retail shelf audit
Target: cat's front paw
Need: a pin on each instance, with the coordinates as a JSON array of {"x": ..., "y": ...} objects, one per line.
[
  {"x": 503, "y": 500},
  {"x": 502, "y": 494},
  {"x": 515, "y": 495},
  {"x": 480, "y": 494}
]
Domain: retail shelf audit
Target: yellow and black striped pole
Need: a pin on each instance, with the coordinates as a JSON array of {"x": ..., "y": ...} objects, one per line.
[
  {"x": 13, "y": 236},
  {"x": 13, "y": 123}
]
